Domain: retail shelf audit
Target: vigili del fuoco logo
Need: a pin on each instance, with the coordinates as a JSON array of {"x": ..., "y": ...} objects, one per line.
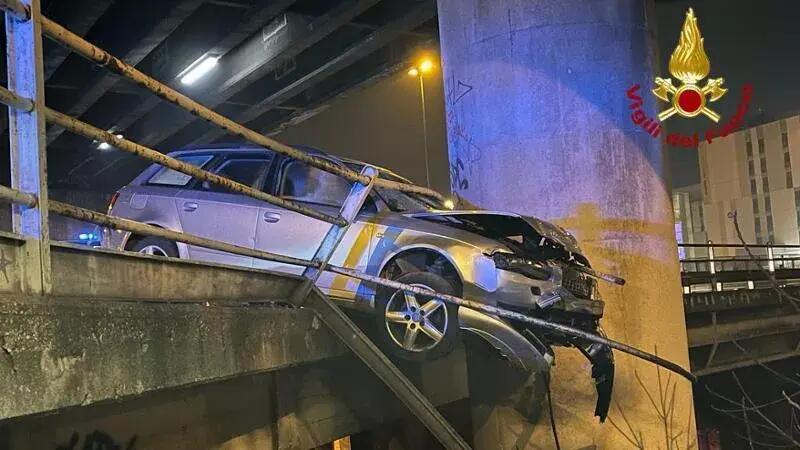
[{"x": 688, "y": 98}]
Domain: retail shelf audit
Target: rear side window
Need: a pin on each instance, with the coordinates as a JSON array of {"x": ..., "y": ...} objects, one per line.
[
  {"x": 245, "y": 171},
  {"x": 168, "y": 177},
  {"x": 304, "y": 183}
]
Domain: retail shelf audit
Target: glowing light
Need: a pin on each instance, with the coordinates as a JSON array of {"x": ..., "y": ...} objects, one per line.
[
  {"x": 106, "y": 145},
  {"x": 87, "y": 236},
  {"x": 413, "y": 71},
  {"x": 425, "y": 66},
  {"x": 198, "y": 69},
  {"x": 449, "y": 204}
]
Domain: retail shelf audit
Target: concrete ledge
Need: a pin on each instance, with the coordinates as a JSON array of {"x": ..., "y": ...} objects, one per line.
[
  {"x": 743, "y": 329},
  {"x": 80, "y": 271},
  {"x": 57, "y": 353}
]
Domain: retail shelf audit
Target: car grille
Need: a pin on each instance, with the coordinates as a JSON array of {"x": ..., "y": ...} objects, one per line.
[{"x": 581, "y": 285}]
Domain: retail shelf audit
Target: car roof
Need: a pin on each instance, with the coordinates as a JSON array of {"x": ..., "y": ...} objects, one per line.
[{"x": 239, "y": 147}]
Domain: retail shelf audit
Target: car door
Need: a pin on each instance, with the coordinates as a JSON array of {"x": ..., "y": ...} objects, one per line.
[
  {"x": 294, "y": 234},
  {"x": 212, "y": 211}
]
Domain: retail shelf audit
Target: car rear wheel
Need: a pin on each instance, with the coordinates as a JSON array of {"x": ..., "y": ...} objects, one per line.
[
  {"x": 413, "y": 326},
  {"x": 156, "y": 246}
]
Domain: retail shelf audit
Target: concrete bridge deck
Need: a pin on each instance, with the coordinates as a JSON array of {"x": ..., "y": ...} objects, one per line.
[
  {"x": 216, "y": 353},
  {"x": 736, "y": 316}
]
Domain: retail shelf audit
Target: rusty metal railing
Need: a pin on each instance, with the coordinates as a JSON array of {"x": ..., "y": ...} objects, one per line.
[
  {"x": 86, "y": 215},
  {"x": 105, "y": 59}
]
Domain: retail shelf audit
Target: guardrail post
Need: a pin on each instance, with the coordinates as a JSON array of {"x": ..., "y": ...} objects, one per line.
[
  {"x": 28, "y": 144},
  {"x": 349, "y": 210},
  {"x": 770, "y": 259},
  {"x": 712, "y": 268}
]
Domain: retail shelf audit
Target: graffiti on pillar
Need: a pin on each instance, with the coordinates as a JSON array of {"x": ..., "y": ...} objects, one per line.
[
  {"x": 4, "y": 263},
  {"x": 464, "y": 152},
  {"x": 96, "y": 440}
]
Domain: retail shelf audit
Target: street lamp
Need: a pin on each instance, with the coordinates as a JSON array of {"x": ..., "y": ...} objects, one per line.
[{"x": 424, "y": 66}]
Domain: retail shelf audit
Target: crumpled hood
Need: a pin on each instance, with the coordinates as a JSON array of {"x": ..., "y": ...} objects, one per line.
[{"x": 549, "y": 230}]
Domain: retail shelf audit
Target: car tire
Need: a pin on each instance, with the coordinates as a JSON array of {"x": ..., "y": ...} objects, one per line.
[
  {"x": 416, "y": 327},
  {"x": 156, "y": 246}
]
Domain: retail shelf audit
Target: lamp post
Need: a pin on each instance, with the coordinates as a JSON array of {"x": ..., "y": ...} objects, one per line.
[{"x": 418, "y": 71}]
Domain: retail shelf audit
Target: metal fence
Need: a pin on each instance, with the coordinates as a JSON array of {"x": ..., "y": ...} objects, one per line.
[
  {"x": 747, "y": 257},
  {"x": 27, "y": 117}
]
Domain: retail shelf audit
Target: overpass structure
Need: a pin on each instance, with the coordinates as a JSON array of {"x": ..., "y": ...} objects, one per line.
[
  {"x": 742, "y": 308},
  {"x": 135, "y": 350}
]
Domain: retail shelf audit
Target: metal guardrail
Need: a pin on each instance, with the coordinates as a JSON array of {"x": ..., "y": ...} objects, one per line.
[
  {"x": 25, "y": 35},
  {"x": 769, "y": 260},
  {"x": 100, "y": 56}
]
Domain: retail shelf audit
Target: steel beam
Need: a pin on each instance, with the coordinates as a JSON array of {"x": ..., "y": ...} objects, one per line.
[
  {"x": 161, "y": 31},
  {"x": 82, "y": 16},
  {"x": 257, "y": 17},
  {"x": 376, "y": 40},
  {"x": 243, "y": 70},
  {"x": 28, "y": 144}
]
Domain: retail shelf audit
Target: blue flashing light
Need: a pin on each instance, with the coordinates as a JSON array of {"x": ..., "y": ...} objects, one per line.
[{"x": 87, "y": 236}]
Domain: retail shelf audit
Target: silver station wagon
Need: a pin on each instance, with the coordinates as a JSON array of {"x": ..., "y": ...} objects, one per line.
[{"x": 498, "y": 258}]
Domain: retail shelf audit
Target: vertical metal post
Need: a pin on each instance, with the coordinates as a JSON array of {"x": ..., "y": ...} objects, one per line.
[
  {"x": 712, "y": 268},
  {"x": 28, "y": 144},
  {"x": 770, "y": 259},
  {"x": 349, "y": 210},
  {"x": 424, "y": 131}
]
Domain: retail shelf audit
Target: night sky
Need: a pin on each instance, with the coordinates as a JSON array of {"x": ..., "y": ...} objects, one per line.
[{"x": 747, "y": 41}]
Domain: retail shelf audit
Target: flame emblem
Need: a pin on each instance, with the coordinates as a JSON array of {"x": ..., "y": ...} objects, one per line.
[{"x": 689, "y": 64}]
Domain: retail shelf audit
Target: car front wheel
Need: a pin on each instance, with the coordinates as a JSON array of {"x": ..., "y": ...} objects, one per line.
[{"x": 413, "y": 326}]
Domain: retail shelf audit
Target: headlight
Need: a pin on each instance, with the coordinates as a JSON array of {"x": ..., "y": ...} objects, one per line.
[{"x": 524, "y": 266}]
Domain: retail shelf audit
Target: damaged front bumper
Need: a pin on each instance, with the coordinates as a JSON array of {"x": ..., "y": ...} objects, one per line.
[{"x": 558, "y": 304}]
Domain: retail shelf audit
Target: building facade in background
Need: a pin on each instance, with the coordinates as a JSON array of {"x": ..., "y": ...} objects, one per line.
[
  {"x": 687, "y": 203},
  {"x": 755, "y": 172}
]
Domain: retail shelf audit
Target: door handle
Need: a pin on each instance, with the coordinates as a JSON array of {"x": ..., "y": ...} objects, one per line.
[
  {"x": 271, "y": 217},
  {"x": 189, "y": 206}
]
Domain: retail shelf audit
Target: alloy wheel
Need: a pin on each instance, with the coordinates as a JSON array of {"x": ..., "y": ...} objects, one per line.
[{"x": 415, "y": 322}]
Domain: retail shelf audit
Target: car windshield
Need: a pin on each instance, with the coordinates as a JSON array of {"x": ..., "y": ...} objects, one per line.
[{"x": 401, "y": 201}]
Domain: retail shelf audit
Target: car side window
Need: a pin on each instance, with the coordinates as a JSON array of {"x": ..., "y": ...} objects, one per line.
[
  {"x": 244, "y": 171},
  {"x": 168, "y": 177},
  {"x": 303, "y": 183}
]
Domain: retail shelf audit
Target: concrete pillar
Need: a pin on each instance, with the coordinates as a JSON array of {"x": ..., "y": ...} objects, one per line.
[{"x": 538, "y": 123}]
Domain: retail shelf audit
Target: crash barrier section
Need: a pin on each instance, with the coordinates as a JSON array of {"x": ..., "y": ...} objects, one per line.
[{"x": 28, "y": 113}]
